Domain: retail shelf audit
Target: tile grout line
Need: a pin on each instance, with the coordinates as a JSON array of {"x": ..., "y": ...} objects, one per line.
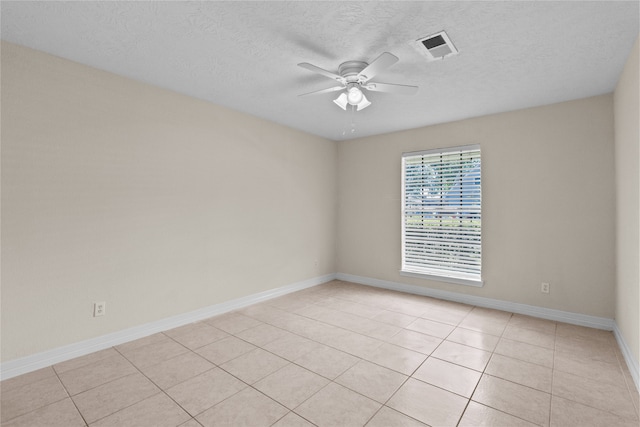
[
  {"x": 428, "y": 356},
  {"x": 161, "y": 390},
  {"x": 68, "y": 396},
  {"x": 469, "y": 400},
  {"x": 71, "y": 398},
  {"x": 333, "y": 380},
  {"x": 215, "y": 366},
  {"x": 553, "y": 371},
  {"x": 251, "y": 385}
]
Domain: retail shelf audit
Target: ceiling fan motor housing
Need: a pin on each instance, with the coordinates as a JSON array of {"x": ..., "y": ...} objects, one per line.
[{"x": 350, "y": 70}]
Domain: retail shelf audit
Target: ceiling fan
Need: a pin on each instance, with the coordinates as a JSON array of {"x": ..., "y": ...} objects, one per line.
[{"x": 354, "y": 76}]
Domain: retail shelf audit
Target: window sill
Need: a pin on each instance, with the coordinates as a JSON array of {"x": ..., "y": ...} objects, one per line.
[{"x": 450, "y": 279}]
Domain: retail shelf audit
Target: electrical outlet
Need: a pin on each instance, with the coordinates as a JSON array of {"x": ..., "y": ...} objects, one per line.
[
  {"x": 99, "y": 308},
  {"x": 544, "y": 288}
]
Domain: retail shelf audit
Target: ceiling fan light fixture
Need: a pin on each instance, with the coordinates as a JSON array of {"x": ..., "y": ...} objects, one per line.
[
  {"x": 364, "y": 103},
  {"x": 354, "y": 95},
  {"x": 341, "y": 101}
]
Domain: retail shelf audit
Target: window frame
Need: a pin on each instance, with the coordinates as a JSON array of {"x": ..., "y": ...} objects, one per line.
[{"x": 457, "y": 277}]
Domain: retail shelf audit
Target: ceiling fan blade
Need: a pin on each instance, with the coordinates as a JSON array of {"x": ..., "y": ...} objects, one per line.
[
  {"x": 382, "y": 62},
  {"x": 331, "y": 89},
  {"x": 391, "y": 88},
  {"x": 319, "y": 70}
]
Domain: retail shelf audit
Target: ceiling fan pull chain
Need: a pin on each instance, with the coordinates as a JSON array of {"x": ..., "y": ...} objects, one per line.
[
  {"x": 353, "y": 119},
  {"x": 344, "y": 125}
]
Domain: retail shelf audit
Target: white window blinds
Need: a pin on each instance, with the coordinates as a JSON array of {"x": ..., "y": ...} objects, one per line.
[{"x": 441, "y": 214}]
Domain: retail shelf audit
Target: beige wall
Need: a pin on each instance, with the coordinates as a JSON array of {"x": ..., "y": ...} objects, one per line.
[
  {"x": 627, "y": 177},
  {"x": 548, "y": 204},
  {"x": 157, "y": 203}
]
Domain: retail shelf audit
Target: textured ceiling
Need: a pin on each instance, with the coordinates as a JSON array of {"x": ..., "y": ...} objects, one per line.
[{"x": 243, "y": 55}]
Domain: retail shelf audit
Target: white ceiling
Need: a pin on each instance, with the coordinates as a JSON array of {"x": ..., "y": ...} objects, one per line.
[{"x": 243, "y": 55}]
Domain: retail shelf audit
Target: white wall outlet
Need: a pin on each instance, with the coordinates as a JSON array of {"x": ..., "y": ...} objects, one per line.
[
  {"x": 544, "y": 288},
  {"x": 99, "y": 308}
]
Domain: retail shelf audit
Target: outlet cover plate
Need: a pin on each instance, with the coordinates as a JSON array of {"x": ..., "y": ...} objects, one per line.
[{"x": 99, "y": 308}]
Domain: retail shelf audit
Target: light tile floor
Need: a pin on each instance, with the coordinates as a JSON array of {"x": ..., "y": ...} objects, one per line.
[{"x": 340, "y": 354}]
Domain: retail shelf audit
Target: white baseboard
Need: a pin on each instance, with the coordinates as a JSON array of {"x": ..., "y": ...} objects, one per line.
[
  {"x": 514, "y": 307},
  {"x": 632, "y": 364},
  {"x": 37, "y": 361}
]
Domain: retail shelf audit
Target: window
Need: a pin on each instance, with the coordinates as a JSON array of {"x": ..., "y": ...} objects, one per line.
[{"x": 441, "y": 214}]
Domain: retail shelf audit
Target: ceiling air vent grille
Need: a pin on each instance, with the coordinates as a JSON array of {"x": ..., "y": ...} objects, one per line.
[{"x": 436, "y": 46}]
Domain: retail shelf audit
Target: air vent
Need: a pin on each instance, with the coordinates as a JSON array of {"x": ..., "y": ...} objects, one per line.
[{"x": 436, "y": 46}]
